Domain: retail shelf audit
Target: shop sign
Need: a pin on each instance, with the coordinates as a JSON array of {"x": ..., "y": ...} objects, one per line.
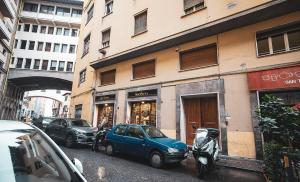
[
  {"x": 144, "y": 93},
  {"x": 105, "y": 97},
  {"x": 275, "y": 79}
]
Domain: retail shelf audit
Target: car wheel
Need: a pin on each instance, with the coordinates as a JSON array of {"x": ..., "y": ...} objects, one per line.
[
  {"x": 156, "y": 159},
  {"x": 109, "y": 150},
  {"x": 70, "y": 141}
]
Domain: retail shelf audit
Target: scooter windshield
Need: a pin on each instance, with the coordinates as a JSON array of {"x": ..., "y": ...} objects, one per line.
[{"x": 200, "y": 136}]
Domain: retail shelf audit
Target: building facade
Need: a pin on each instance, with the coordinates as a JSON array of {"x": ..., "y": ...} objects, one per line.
[
  {"x": 9, "y": 10},
  {"x": 45, "y": 46},
  {"x": 182, "y": 63}
]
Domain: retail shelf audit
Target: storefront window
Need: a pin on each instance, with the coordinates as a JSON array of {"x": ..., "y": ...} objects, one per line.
[
  {"x": 143, "y": 113},
  {"x": 105, "y": 114}
]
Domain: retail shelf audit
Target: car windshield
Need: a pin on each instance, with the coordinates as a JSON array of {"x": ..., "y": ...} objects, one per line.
[
  {"x": 27, "y": 156},
  {"x": 153, "y": 132},
  {"x": 80, "y": 123}
]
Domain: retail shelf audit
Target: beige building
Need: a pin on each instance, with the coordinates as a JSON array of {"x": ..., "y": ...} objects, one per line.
[{"x": 187, "y": 62}]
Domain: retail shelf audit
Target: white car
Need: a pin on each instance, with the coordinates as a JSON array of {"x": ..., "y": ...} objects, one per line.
[{"x": 29, "y": 155}]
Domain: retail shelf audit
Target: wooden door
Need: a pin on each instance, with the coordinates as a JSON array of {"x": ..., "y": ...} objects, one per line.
[
  {"x": 200, "y": 112},
  {"x": 192, "y": 109}
]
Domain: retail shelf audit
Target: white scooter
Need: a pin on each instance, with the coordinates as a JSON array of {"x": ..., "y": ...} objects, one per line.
[{"x": 205, "y": 149}]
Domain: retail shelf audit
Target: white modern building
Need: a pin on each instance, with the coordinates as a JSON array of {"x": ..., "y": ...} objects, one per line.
[{"x": 47, "y": 35}]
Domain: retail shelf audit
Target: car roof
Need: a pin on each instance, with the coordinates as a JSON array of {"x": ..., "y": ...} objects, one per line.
[{"x": 6, "y": 125}]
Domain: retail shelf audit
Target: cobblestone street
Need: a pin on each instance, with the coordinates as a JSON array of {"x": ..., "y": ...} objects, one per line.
[{"x": 100, "y": 167}]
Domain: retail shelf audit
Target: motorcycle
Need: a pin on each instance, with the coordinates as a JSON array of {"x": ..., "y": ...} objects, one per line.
[
  {"x": 205, "y": 149},
  {"x": 100, "y": 138}
]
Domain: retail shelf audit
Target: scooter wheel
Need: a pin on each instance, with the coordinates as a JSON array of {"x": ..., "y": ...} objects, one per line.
[{"x": 201, "y": 169}]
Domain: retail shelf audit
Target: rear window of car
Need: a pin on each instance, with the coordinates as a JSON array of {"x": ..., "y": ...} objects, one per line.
[{"x": 120, "y": 130}]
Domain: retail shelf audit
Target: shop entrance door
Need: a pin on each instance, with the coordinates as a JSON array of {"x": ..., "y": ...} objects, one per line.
[
  {"x": 200, "y": 112},
  {"x": 106, "y": 113}
]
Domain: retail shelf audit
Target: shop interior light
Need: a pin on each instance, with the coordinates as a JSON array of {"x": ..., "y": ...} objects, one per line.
[
  {"x": 106, "y": 104},
  {"x": 143, "y": 102}
]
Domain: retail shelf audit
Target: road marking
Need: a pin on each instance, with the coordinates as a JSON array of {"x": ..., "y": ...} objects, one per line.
[{"x": 101, "y": 173}]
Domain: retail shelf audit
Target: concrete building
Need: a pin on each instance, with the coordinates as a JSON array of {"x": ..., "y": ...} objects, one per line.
[
  {"x": 44, "y": 51},
  {"x": 177, "y": 63},
  {"x": 9, "y": 10}
]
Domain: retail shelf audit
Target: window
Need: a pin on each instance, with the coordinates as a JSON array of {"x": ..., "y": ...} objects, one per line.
[
  {"x": 90, "y": 14},
  {"x": 47, "y": 9},
  {"x": 31, "y": 45},
  {"x": 120, "y": 130},
  {"x": 53, "y": 65},
  {"x": 294, "y": 39},
  {"x": 12, "y": 60},
  {"x": 34, "y": 28},
  {"x": 105, "y": 38},
  {"x": 30, "y": 7},
  {"x": 58, "y": 31},
  {"x": 19, "y": 63},
  {"x": 61, "y": 66},
  {"x": 23, "y": 44},
  {"x": 82, "y": 75},
  {"x": 143, "y": 69},
  {"x": 48, "y": 47},
  {"x": 86, "y": 45},
  {"x": 36, "y": 64},
  {"x": 40, "y": 46},
  {"x": 19, "y": 27},
  {"x": 64, "y": 48},
  {"x": 66, "y": 32},
  {"x": 27, "y": 63},
  {"x": 108, "y": 6},
  {"x": 72, "y": 49},
  {"x": 278, "y": 39},
  {"x": 62, "y": 11},
  {"x": 192, "y": 5},
  {"x": 74, "y": 33},
  {"x": 140, "y": 24},
  {"x": 50, "y": 30},
  {"x": 76, "y": 13},
  {"x": 56, "y": 48},
  {"x": 45, "y": 65},
  {"x": 16, "y": 43},
  {"x": 43, "y": 29},
  {"x": 108, "y": 77},
  {"x": 26, "y": 27},
  {"x": 135, "y": 131},
  {"x": 69, "y": 66},
  {"x": 199, "y": 57},
  {"x": 78, "y": 110}
]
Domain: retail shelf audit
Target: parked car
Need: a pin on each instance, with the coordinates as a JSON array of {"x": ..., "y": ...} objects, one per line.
[
  {"x": 71, "y": 131},
  {"x": 42, "y": 122},
  {"x": 147, "y": 142},
  {"x": 28, "y": 154}
]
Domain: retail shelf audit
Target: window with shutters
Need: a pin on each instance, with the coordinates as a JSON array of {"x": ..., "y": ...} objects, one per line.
[
  {"x": 140, "y": 24},
  {"x": 279, "y": 39},
  {"x": 86, "y": 45},
  {"x": 108, "y": 7},
  {"x": 191, "y": 6},
  {"x": 90, "y": 14},
  {"x": 108, "y": 77},
  {"x": 82, "y": 76},
  {"x": 143, "y": 69},
  {"x": 105, "y": 38},
  {"x": 199, "y": 57}
]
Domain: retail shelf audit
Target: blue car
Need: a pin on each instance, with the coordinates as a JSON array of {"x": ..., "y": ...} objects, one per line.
[{"x": 146, "y": 142}]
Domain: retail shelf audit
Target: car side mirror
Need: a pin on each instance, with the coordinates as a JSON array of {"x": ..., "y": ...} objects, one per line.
[{"x": 78, "y": 165}]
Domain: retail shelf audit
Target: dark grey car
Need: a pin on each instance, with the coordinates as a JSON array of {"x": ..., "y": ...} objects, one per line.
[{"x": 71, "y": 131}]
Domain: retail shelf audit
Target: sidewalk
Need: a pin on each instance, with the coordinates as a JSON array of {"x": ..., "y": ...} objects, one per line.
[{"x": 225, "y": 173}]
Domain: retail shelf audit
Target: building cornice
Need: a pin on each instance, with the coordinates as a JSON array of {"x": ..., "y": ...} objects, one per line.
[{"x": 251, "y": 16}]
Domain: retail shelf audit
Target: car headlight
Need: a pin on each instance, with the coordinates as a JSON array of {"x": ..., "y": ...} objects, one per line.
[{"x": 172, "y": 150}]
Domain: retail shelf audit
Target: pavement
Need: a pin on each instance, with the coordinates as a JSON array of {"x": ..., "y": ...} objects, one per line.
[{"x": 98, "y": 167}]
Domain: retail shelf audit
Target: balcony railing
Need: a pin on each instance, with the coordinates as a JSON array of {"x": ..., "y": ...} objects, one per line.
[{"x": 50, "y": 17}]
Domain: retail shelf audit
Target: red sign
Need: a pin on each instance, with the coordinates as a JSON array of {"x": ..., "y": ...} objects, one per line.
[{"x": 275, "y": 79}]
